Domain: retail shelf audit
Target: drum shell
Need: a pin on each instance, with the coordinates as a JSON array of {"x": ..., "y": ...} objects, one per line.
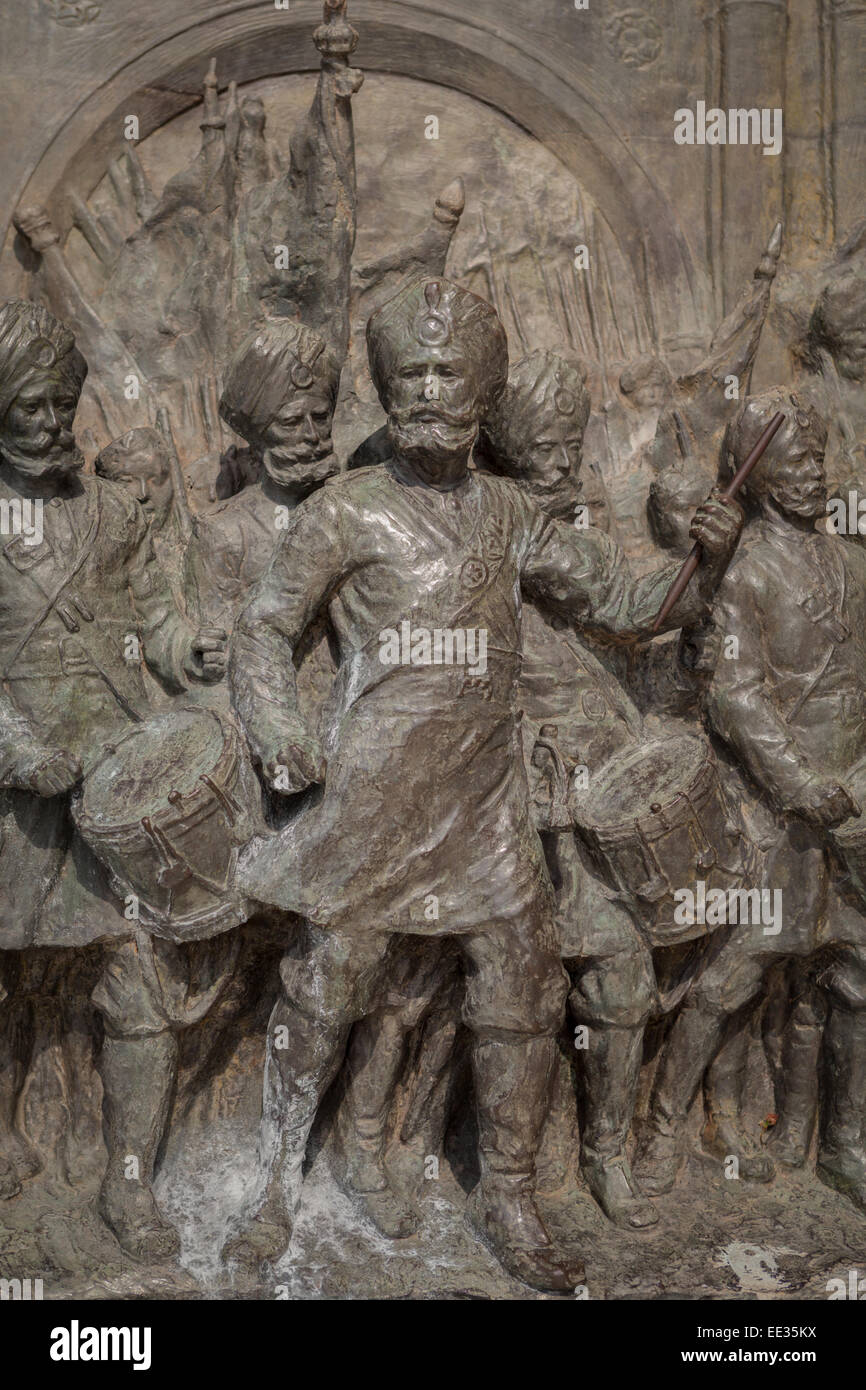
[
  {"x": 692, "y": 838},
  {"x": 204, "y": 828}
]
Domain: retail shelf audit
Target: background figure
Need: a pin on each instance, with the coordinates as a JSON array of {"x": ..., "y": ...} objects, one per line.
[{"x": 793, "y": 597}]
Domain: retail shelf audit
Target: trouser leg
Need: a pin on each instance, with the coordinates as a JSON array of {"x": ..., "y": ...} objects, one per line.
[
  {"x": 514, "y": 1006},
  {"x": 328, "y": 982},
  {"x": 138, "y": 1067}
]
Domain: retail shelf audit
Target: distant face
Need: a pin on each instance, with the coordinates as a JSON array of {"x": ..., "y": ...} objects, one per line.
[
  {"x": 794, "y": 476},
  {"x": 434, "y": 403},
  {"x": 145, "y": 473},
  {"x": 550, "y": 464},
  {"x": 36, "y": 434},
  {"x": 652, "y": 384},
  {"x": 649, "y": 394},
  {"x": 296, "y": 444}
]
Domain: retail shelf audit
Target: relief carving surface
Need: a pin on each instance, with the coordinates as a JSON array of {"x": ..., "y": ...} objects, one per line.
[{"x": 396, "y": 904}]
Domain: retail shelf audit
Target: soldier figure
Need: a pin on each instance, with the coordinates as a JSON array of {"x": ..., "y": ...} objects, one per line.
[
  {"x": 790, "y": 705},
  {"x": 279, "y": 395},
  {"x": 422, "y": 825},
  {"x": 73, "y": 608}
]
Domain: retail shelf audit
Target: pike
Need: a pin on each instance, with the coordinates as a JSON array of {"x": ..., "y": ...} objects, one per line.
[
  {"x": 181, "y": 501},
  {"x": 730, "y": 492}
]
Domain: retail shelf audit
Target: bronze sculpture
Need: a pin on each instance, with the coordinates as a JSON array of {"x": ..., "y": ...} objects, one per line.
[
  {"x": 423, "y": 539},
  {"x": 232, "y": 443},
  {"x": 71, "y": 681}
]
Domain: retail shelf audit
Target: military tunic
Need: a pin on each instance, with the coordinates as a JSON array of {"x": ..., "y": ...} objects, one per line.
[
  {"x": 423, "y": 823},
  {"x": 71, "y": 678}
]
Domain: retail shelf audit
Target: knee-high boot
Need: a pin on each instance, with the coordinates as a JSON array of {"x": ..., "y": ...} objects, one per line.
[
  {"x": 611, "y": 1070},
  {"x": 138, "y": 1076},
  {"x": 512, "y": 1086},
  {"x": 691, "y": 1046}
]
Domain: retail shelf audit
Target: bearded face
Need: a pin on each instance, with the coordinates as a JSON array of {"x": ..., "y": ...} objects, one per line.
[
  {"x": 36, "y": 435},
  {"x": 296, "y": 445},
  {"x": 434, "y": 408},
  {"x": 549, "y": 464},
  {"x": 792, "y": 477}
]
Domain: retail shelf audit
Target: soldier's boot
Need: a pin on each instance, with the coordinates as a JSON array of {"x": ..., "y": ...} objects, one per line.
[
  {"x": 841, "y": 1157},
  {"x": 375, "y": 1057},
  {"x": 789, "y": 1141},
  {"x": 611, "y": 1068},
  {"x": 297, "y": 1077},
  {"x": 512, "y": 1084},
  {"x": 661, "y": 1148},
  {"x": 414, "y": 1158},
  {"x": 723, "y": 1135},
  {"x": 138, "y": 1076}
]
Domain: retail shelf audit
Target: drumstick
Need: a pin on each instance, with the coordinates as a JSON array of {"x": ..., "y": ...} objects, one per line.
[{"x": 730, "y": 492}]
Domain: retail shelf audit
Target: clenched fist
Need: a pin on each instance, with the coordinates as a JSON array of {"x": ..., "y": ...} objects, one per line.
[
  {"x": 297, "y": 765},
  {"x": 207, "y": 655},
  {"x": 717, "y": 525},
  {"x": 48, "y": 772}
]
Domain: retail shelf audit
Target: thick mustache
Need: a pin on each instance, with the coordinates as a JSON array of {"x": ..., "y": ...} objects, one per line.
[
  {"x": 431, "y": 414},
  {"x": 54, "y": 443},
  {"x": 303, "y": 455}
]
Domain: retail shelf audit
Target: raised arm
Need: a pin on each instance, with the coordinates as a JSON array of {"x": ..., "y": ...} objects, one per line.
[{"x": 586, "y": 575}]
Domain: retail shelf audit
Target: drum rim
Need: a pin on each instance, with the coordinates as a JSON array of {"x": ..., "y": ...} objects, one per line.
[
  {"x": 168, "y": 816},
  {"x": 671, "y": 815}
]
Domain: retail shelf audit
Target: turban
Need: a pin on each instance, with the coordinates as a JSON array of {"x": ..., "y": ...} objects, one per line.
[
  {"x": 541, "y": 382},
  {"x": 32, "y": 341},
  {"x": 111, "y": 460},
  {"x": 840, "y": 310},
  {"x": 438, "y": 315},
  {"x": 802, "y": 421},
  {"x": 276, "y": 362}
]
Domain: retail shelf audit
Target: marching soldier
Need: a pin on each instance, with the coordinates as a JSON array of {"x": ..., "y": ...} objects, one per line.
[
  {"x": 74, "y": 607},
  {"x": 422, "y": 825},
  {"x": 790, "y": 705}
]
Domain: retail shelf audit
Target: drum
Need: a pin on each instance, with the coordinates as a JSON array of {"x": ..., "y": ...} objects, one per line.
[
  {"x": 655, "y": 822},
  {"x": 849, "y": 838},
  {"x": 166, "y": 810}
]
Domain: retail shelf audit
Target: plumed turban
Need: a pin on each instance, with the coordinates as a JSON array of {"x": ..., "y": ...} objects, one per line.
[
  {"x": 438, "y": 316},
  {"x": 276, "y": 362},
  {"x": 33, "y": 340}
]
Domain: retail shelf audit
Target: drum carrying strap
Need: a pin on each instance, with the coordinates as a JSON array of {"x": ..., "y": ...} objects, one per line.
[
  {"x": 54, "y": 596},
  {"x": 51, "y": 601}
]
